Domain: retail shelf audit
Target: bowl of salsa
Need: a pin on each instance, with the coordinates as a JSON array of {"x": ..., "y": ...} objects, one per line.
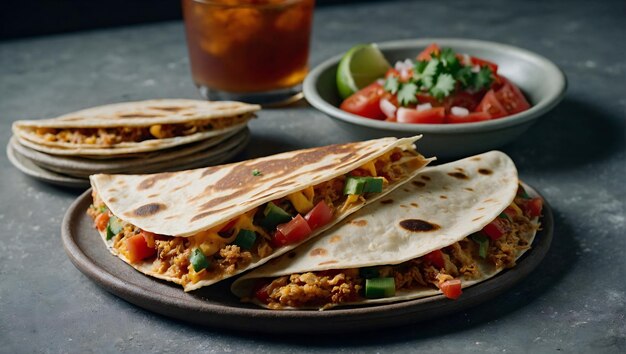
[{"x": 465, "y": 96}]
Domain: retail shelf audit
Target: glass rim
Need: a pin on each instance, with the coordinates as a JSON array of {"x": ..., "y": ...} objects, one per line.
[{"x": 222, "y": 4}]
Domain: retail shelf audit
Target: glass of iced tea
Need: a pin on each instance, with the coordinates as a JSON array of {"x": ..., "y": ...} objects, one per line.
[{"x": 249, "y": 50}]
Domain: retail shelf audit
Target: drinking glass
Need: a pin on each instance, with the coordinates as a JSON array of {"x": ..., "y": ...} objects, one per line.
[{"x": 254, "y": 51}]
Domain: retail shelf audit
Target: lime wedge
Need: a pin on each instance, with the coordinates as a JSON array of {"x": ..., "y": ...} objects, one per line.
[{"x": 359, "y": 67}]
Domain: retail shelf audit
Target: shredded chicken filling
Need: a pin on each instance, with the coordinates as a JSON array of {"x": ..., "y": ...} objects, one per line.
[
  {"x": 124, "y": 134},
  {"x": 173, "y": 253},
  {"x": 326, "y": 289}
]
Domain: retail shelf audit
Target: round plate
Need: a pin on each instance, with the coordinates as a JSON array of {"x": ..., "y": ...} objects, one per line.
[
  {"x": 211, "y": 156},
  {"x": 215, "y": 305},
  {"x": 31, "y": 169},
  {"x": 78, "y": 179},
  {"x": 83, "y": 166}
]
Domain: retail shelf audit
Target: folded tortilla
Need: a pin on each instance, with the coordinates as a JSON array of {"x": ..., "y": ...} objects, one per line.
[
  {"x": 133, "y": 127},
  {"x": 180, "y": 212},
  {"x": 421, "y": 235}
]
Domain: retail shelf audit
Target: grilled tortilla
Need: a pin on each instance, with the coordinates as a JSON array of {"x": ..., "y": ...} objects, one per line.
[
  {"x": 419, "y": 237},
  {"x": 133, "y": 127},
  {"x": 179, "y": 214}
]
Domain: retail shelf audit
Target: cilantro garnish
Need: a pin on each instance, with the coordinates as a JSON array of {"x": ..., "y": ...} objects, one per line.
[
  {"x": 428, "y": 76},
  {"x": 419, "y": 68},
  {"x": 449, "y": 60},
  {"x": 406, "y": 94},
  {"x": 440, "y": 77},
  {"x": 483, "y": 78},
  {"x": 392, "y": 85},
  {"x": 256, "y": 172},
  {"x": 464, "y": 76},
  {"x": 443, "y": 87}
]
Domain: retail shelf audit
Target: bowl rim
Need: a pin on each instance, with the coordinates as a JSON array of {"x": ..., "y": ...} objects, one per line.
[{"x": 544, "y": 105}]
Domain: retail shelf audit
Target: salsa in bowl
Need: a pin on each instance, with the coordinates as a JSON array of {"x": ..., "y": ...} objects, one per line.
[
  {"x": 540, "y": 81},
  {"x": 440, "y": 86}
]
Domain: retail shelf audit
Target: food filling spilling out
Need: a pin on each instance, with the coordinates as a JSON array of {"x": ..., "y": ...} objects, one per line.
[
  {"x": 130, "y": 134},
  {"x": 498, "y": 244},
  {"x": 233, "y": 245}
]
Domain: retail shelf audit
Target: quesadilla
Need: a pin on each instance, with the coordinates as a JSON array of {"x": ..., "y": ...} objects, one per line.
[
  {"x": 132, "y": 127},
  {"x": 451, "y": 226},
  {"x": 197, "y": 227}
]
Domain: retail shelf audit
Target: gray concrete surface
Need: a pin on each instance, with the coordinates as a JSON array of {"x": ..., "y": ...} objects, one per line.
[{"x": 574, "y": 302}]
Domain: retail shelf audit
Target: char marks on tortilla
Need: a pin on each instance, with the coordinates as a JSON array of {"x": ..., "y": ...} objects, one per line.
[
  {"x": 396, "y": 234},
  {"x": 209, "y": 196}
]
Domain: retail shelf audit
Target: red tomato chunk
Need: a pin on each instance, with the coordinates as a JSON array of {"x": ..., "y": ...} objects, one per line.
[
  {"x": 291, "y": 232},
  {"x": 451, "y": 288},
  {"x": 319, "y": 216},
  {"x": 468, "y": 82}
]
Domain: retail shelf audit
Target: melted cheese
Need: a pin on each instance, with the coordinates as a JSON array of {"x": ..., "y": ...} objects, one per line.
[
  {"x": 302, "y": 200},
  {"x": 518, "y": 211},
  {"x": 210, "y": 242},
  {"x": 351, "y": 199},
  {"x": 370, "y": 167}
]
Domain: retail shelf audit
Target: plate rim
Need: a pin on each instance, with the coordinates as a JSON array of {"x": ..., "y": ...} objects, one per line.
[
  {"x": 338, "y": 320},
  {"x": 47, "y": 176}
]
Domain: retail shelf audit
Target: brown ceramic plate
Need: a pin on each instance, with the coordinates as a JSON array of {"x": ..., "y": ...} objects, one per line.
[{"x": 215, "y": 305}]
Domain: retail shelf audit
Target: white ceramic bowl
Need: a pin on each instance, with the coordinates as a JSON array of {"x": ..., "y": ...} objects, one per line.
[{"x": 542, "y": 82}]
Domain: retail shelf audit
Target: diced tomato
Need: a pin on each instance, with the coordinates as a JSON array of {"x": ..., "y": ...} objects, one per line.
[
  {"x": 533, "y": 207},
  {"x": 463, "y": 99},
  {"x": 137, "y": 248},
  {"x": 496, "y": 229},
  {"x": 491, "y": 105},
  {"x": 426, "y": 98},
  {"x": 366, "y": 102},
  {"x": 291, "y": 232},
  {"x": 260, "y": 292},
  {"x": 435, "y": 258},
  {"x": 149, "y": 237},
  {"x": 483, "y": 62},
  {"x": 319, "y": 216},
  {"x": 470, "y": 118},
  {"x": 510, "y": 212},
  {"x": 451, "y": 288},
  {"x": 512, "y": 99},
  {"x": 392, "y": 72},
  {"x": 427, "y": 53},
  {"x": 102, "y": 220},
  {"x": 429, "y": 116}
]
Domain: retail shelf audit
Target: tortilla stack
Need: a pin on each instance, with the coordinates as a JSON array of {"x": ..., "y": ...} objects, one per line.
[
  {"x": 133, "y": 127},
  {"x": 451, "y": 226},
  {"x": 197, "y": 227},
  {"x": 208, "y": 152}
]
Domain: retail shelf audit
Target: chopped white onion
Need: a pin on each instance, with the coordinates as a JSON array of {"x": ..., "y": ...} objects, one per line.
[
  {"x": 387, "y": 107},
  {"x": 404, "y": 65},
  {"x": 381, "y": 82},
  {"x": 459, "y": 111},
  {"x": 423, "y": 107},
  {"x": 405, "y": 74},
  {"x": 467, "y": 61},
  {"x": 475, "y": 68},
  {"x": 403, "y": 115}
]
